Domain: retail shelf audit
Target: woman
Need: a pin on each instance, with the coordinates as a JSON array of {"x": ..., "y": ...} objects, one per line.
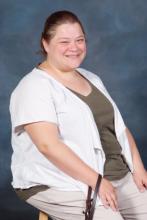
[{"x": 67, "y": 131}]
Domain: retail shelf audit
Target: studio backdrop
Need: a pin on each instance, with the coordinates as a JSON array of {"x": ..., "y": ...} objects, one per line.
[{"x": 117, "y": 52}]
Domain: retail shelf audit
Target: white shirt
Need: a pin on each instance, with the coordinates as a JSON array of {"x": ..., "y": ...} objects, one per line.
[{"x": 39, "y": 97}]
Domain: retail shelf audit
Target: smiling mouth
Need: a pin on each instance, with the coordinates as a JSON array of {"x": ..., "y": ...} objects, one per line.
[{"x": 73, "y": 55}]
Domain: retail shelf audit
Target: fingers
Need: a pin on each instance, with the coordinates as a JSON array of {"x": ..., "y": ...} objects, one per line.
[
  {"x": 105, "y": 202},
  {"x": 140, "y": 179},
  {"x": 140, "y": 185},
  {"x": 145, "y": 181},
  {"x": 145, "y": 185},
  {"x": 108, "y": 195},
  {"x": 110, "y": 201}
]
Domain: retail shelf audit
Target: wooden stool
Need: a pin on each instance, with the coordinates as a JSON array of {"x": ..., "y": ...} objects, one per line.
[{"x": 43, "y": 216}]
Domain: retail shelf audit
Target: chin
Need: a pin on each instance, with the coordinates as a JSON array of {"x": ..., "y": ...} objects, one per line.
[
  {"x": 68, "y": 68},
  {"x": 74, "y": 66},
  {"x": 75, "y": 63}
]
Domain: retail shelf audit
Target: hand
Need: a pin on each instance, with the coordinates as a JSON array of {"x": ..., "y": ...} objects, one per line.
[
  {"x": 140, "y": 178},
  {"x": 107, "y": 194}
]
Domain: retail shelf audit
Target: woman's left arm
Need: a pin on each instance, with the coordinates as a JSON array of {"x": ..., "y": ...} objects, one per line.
[{"x": 139, "y": 173}]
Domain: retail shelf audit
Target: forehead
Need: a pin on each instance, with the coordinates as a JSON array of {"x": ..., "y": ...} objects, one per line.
[{"x": 68, "y": 30}]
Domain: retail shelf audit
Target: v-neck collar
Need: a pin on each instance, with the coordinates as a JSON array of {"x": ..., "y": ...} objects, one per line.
[
  {"x": 84, "y": 74},
  {"x": 63, "y": 86}
]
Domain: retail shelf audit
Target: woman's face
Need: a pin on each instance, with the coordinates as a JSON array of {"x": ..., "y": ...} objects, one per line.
[{"x": 67, "y": 49}]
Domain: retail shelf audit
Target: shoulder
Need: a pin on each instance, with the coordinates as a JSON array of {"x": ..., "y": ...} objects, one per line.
[
  {"x": 35, "y": 77},
  {"x": 33, "y": 87},
  {"x": 33, "y": 81}
]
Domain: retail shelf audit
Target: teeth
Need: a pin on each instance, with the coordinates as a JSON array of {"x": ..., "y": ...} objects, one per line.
[{"x": 72, "y": 55}]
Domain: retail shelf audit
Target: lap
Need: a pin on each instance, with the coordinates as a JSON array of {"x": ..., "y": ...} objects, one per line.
[
  {"x": 67, "y": 205},
  {"x": 132, "y": 203}
]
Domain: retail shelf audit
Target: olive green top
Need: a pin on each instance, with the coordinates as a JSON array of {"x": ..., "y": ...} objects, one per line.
[{"x": 115, "y": 166}]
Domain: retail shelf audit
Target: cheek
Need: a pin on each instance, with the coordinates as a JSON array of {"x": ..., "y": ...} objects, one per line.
[
  {"x": 62, "y": 49},
  {"x": 83, "y": 47}
]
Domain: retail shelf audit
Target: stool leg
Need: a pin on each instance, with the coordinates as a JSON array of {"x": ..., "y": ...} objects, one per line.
[{"x": 43, "y": 216}]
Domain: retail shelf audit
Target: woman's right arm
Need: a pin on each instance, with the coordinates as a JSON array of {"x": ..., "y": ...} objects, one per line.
[{"x": 45, "y": 136}]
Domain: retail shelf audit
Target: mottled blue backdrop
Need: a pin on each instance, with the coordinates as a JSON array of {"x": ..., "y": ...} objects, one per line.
[{"x": 117, "y": 51}]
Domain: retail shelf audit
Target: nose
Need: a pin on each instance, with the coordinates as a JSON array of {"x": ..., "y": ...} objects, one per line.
[{"x": 73, "y": 46}]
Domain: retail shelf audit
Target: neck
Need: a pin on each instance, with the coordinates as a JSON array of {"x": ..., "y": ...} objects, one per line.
[{"x": 52, "y": 70}]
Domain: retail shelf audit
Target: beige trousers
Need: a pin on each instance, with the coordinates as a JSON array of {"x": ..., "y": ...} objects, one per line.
[{"x": 65, "y": 205}]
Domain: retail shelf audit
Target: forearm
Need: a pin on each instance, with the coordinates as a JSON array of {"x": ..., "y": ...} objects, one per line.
[
  {"x": 67, "y": 161},
  {"x": 137, "y": 162}
]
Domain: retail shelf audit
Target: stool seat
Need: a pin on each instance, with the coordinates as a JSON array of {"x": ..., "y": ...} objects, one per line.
[{"x": 43, "y": 216}]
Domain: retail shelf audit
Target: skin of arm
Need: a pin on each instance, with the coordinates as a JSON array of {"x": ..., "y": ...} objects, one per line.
[
  {"x": 48, "y": 143},
  {"x": 45, "y": 136},
  {"x": 139, "y": 173}
]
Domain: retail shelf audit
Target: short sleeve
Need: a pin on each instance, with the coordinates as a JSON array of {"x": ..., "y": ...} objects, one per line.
[{"x": 31, "y": 102}]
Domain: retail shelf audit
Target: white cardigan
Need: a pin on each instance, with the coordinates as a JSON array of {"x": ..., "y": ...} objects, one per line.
[{"x": 39, "y": 97}]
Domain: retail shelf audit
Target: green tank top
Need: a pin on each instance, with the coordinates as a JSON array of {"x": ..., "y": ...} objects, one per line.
[{"x": 115, "y": 166}]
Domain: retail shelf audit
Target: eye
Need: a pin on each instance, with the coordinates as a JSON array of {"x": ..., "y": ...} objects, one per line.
[
  {"x": 81, "y": 40},
  {"x": 64, "y": 42}
]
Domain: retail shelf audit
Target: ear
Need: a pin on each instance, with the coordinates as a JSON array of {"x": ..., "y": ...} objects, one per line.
[{"x": 45, "y": 45}]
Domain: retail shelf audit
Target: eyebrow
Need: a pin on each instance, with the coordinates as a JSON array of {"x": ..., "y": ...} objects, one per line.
[{"x": 67, "y": 38}]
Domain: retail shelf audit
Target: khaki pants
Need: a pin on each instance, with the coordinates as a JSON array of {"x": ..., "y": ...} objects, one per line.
[{"x": 65, "y": 205}]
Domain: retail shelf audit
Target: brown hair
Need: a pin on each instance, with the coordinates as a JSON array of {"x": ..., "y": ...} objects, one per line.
[{"x": 53, "y": 21}]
